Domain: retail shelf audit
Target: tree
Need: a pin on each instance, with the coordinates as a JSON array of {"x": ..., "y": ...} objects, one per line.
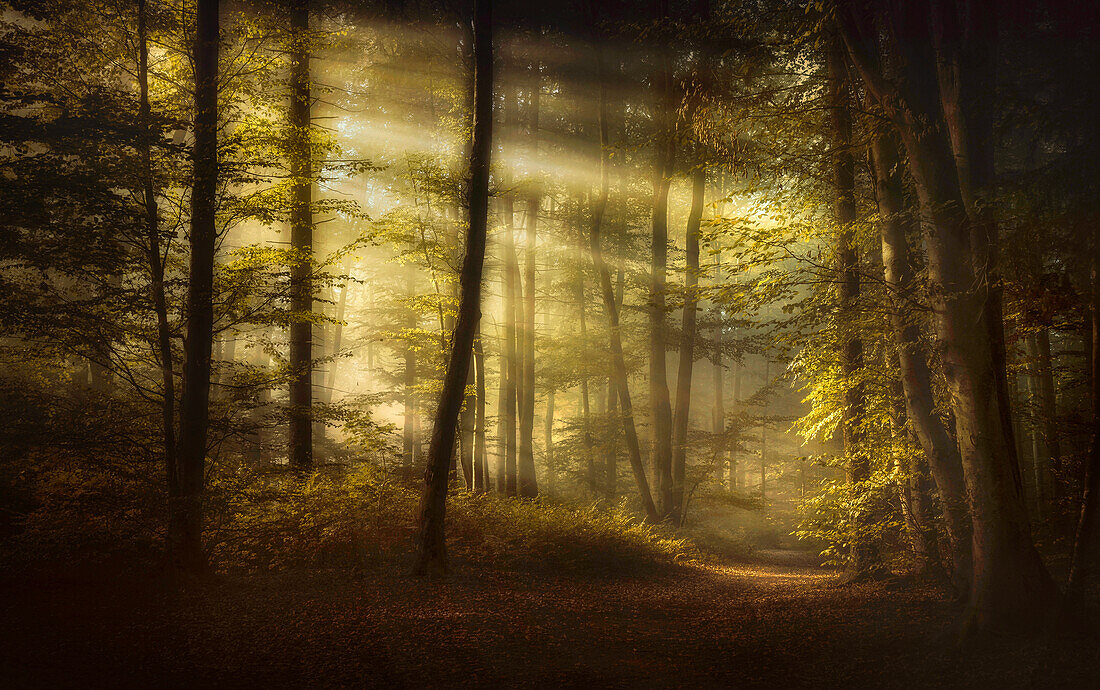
[
  {"x": 301, "y": 242},
  {"x": 687, "y": 344},
  {"x": 611, "y": 309},
  {"x": 186, "y": 516},
  {"x": 939, "y": 447},
  {"x": 1010, "y": 585},
  {"x": 864, "y": 560},
  {"x": 431, "y": 545}
]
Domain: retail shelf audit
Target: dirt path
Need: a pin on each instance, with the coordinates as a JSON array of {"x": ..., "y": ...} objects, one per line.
[{"x": 776, "y": 623}]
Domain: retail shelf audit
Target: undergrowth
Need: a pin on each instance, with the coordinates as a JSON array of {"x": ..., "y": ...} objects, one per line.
[{"x": 340, "y": 517}]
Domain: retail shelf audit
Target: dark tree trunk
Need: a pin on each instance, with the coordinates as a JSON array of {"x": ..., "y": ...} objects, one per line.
[
  {"x": 939, "y": 447},
  {"x": 301, "y": 242},
  {"x": 681, "y": 421},
  {"x": 156, "y": 262},
  {"x": 1048, "y": 397},
  {"x": 611, "y": 308},
  {"x": 863, "y": 557},
  {"x": 1010, "y": 587},
  {"x": 431, "y": 546},
  {"x": 185, "y": 514}
]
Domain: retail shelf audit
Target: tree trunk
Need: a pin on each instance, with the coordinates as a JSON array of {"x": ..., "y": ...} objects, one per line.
[
  {"x": 466, "y": 427},
  {"x": 764, "y": 437},
  {"x": 681, "y": 421},
  {"x": 720, "y": 388},
  {"x": 1048, "y": 398},
  {"x": 661, "y": 407},
  {"x": 502, "y": 405},
  {"x": 586, "y": 419},
  {"x": 511, "y": 307},
  {"x": 939, "y": 447},
  {"x": 186, "y": 509},
  {"x": 156, "y": 262},
  {"x": 528, "y": 484},
  {"x": 1010, "y": 585},
  {"x": 481, "y": 456},
  {"x": 337, "y": 340},
  {"x": 618, "y": 361},
  {"x": 301, "y": 242},
  {"x": 611, "y": 461},
  {"x": 863, "y": 557},
  {"x": 410, "y": 442},
  {"x": 431, "y": 552},
  {"x": 550, "y": 432}
]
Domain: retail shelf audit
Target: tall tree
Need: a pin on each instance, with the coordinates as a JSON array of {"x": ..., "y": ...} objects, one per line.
[
  {"x": 687, "y": 343},
  {"x": 528, "y": 484},
  {"x": 156, "y": 260},
  {"x": 661, "y": 406},
  {"x": 863, "y": 558},
  {"x": 186, "y": 509},
  {"x": 1010, "y": 586},
  {"x": 511, "y": 371},
  {"x": 301, "y": 243},
  {"x": 431, "y": 545},
  {"x": 611, "y": 307},
  {"x": 939, "y": 447}
]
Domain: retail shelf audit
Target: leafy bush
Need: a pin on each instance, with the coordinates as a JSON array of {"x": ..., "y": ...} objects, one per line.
[{"x": 362, "y": 516}]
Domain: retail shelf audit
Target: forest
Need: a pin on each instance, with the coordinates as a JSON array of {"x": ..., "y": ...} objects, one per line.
[{"x": 651, "y": 343}]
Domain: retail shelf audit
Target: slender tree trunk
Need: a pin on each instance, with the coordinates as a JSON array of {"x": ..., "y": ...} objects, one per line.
[
  {"x": 1040, "y": 453},
  {"x": 684, "y": 372},
  {"x": 864, "y": 557},
  {"x": 611, "y": 461},
  {"x": 481, "y": 456},
  {"x": 186, "y": 509},
  {"x": 764, "y": 438},
  {"x": 661, "y": 407},
  {"x": 431, "y": 552},
  {"x": 466, "y": 425},
  {"x": 1048, "y": 399},
  {"x": 528, "y": 484},
  {"x": 156, "y": 262},
  {"x": 586, "y": 419},
  {"x": 301, "y": 242},
  {"x": 550, "y": 432},
  {"x": 939, "y": 447},
  {"x": 410, "y": 442},
  {"x": 618, "y": 361},
  {"x": 721, "y": 451},
  {"x": 511, "y": 319},
  {"x": 502, "y": 424},
  {"x": 337, "y": 340}
]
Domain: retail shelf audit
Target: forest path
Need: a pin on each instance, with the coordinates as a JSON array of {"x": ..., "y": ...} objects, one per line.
[{"x": 777, "y": 621}]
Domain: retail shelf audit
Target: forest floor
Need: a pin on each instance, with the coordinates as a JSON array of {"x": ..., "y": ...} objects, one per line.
[{"x": 778, "y": 621}]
